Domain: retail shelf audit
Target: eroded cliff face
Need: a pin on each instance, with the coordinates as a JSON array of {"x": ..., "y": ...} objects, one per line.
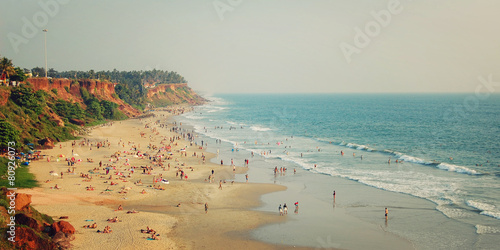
[
  {"x": 69, "y": 90},
  {"x": 164, "y": 94}
]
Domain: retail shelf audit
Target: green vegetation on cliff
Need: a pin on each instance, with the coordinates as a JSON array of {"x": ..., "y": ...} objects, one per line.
[
  {"x": 131, "y": 84},
  {"x": 41, "y": 118}
]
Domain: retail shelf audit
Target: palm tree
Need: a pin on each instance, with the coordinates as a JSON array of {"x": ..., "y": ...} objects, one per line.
[{"x": 7, "y": 67}]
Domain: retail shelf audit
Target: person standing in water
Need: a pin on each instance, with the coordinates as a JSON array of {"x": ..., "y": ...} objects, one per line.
[{"x": 386, "y": 213}]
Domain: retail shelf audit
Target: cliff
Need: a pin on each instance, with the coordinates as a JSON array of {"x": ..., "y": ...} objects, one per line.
[
  {"x": 69, "y": 90},
  {"x": 32, "y": 229},
  {"x": 47, "y": 111},
  {"x": 166, "y": 94}
]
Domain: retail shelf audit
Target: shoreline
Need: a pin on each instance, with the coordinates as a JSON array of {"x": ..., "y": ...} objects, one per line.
[
  {"x": 413, "y": 219},
  {"x": 229, "y": 219},
  {"x": 316, "y": 225}
]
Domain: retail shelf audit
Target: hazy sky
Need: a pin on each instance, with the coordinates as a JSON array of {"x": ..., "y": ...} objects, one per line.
[{"x": 266, "y": 46}]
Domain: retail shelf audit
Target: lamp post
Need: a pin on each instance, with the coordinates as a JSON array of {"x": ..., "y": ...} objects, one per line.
[{"x": 45, "y": 33}]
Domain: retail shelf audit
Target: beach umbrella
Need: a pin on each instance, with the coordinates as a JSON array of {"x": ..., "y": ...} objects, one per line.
[{"x": 61, "y": 155}]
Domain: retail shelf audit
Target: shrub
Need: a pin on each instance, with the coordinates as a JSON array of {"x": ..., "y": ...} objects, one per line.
[
  {"x": 26, "y": 99},
  {"x": 8, "y": 133}
]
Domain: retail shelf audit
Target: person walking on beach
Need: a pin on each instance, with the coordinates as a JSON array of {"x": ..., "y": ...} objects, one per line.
[
  {"x": 334, "y": 194},
  {"x": 386, "y": 213},
  {"x": 246, "y": 176},
  {"x": 285, "y": 209},
  {"x": 206, "y": 207},
  {"x": 281, "y": 210}
]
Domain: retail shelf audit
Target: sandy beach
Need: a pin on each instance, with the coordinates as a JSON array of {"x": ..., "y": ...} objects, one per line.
[{"x": 88, "y": 195}]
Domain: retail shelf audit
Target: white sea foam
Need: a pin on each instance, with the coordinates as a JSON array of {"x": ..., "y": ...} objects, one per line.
[
  {"x": 193, "y": 117},
  {"x": 480, "y": 205},
  {"x": 408, "y": 158},
  {"x": 358, "y": 146},
  {"x": 442, "y": 166},
  {"x": 480, "y": 229},
  {"x": 305, "y": 164},
  {"x": 260, "y": 129},
  {"x": 458, "y": 169},
  {"x": 493, "y": 214},
  {"x": 216, "y": 109},
  {"x": 452, "y": 212}
]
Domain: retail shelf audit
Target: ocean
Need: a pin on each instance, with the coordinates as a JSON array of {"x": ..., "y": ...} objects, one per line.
[{"x": 442, "y": 149}]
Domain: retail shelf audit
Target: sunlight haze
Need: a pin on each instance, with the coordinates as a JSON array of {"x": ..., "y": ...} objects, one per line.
[{"x": 267, "y": 46}]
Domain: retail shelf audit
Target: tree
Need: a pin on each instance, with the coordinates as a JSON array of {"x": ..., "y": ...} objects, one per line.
[
  {"x": 52, "y": 73},
  {"x": 8, "y": 133},
  {"x": 108, "y": 109},
  {"x": 38, "y": 71},
  {"x": 7, "y": 67},
  {"x": 94, "y": 109},
  {"x": 25, "y": 98},
  {"x": 19, "y": 75}
]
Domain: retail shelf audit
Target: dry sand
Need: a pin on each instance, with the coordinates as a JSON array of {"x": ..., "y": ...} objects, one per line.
[{"x": 225, "y": 226}]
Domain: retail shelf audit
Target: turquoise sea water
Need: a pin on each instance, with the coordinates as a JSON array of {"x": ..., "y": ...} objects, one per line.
[{"x": 447, "y": 147}]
